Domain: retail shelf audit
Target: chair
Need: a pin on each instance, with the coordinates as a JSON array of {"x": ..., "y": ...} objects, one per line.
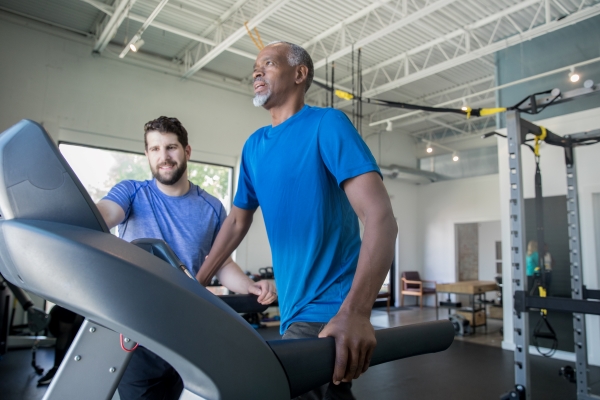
[
  {"x": 413, "y": 285},
  {"x": 384, "y": 293}
]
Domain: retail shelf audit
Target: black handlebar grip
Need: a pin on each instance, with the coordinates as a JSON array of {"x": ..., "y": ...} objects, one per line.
[{"x": 309, "y": 363}]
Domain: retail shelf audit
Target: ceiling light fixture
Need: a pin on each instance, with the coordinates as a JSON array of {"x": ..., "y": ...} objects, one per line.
[
  {"x": 136, "y": 45},
  {"x": 388, "y": 127},
  {"x": 573, "y": 75},
  {"x": 429, "y": 148},
  {"x": 455, "y": 156}
]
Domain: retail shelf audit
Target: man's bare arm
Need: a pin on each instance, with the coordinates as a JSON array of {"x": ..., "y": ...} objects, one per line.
[
  {"x": 112, "y": 213},
  {"x": 351, "y": 326},
  {"x": 233, "y": 278},
  {"x": 232, "y": 232}
]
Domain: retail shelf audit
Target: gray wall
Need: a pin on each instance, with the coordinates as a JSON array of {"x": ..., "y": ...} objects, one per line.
[{"x": 567, "y": 46}]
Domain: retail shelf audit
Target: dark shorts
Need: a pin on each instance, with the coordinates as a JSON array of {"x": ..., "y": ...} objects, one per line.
[
  {"x": 303, "y": 330},
  {"x": 149, "y": 377}
]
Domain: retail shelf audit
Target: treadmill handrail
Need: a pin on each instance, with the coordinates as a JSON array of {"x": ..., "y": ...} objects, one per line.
[{"x": 309, "y": 363}]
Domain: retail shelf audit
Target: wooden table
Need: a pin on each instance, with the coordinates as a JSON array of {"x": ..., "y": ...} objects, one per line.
[{"x": 472, "y": 289}]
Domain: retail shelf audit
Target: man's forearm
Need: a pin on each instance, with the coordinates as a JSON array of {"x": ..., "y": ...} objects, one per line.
[
  {"x": 374, "y": 261},
  {"x": 232, "y": 232},
  {"x": 233, "y": 278}
]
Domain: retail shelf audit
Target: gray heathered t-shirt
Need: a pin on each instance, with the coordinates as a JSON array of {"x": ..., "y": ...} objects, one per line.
[{"x": 188, "y": 223}]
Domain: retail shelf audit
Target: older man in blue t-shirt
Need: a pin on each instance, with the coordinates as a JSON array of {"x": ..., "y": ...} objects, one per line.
[
  {"x": 171, "y": 208},
  {"x": 312, "y": 175}
]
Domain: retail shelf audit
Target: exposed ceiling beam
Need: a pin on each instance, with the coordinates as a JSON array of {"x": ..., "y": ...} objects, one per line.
[
  {"x": 112, "y": 25},
  {"x": 444, "y": 39},
  {"x": 145, "y": 25},
  {"x": 447, "y": 126},
  {"x": 167, "y": 28},
  {"x": 406, "y": 20},
  {"x": 450, "y": 36},
  {"x": 485, "y": 50},
  {"x": 225, "y": 44},
  {"x": 340, "y": 25},
  {"x": 222, "y": 18}
]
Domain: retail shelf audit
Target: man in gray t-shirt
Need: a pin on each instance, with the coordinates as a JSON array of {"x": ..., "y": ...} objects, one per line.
[{"x": 171, "y": 208}]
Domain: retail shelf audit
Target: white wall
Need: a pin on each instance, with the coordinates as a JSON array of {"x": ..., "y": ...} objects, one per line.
[
  {"x": 441, "y": 205},
  {"x": 554, "y": 184}
]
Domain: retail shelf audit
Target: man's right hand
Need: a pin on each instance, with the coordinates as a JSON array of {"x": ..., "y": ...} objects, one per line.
[{"x": 265, "y": 290}]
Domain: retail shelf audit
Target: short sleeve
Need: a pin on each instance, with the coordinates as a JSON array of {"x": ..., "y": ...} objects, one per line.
[
  {"x": 245, "y": 197},
  {"x": 343, "y": 151},
  {"x": 122, "y": 194}
]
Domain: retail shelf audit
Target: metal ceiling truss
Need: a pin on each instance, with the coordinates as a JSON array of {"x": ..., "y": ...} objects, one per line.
[
  {"x": 472, "y": 42},
  {"x": 108, "y": 27},
  {"x": 110, "y": 11},
  {"x": 404, "y": 14},
  {"x": 226, "y": 34},
  {"x": 458, "y": 130}
]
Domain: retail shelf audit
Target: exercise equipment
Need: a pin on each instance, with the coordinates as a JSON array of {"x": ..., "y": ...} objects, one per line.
[
  {"x": 54, "y": 243},
  {"x": 579, "y": 304}
]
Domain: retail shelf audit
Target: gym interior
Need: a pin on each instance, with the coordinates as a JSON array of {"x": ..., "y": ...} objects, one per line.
[{"x": 482, "y": 116}]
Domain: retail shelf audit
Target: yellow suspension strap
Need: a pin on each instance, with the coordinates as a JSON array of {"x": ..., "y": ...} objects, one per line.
[
  {"x": 482, "y": 112},
  {"x": 543, "y": 293},
  {"x": 491, "y": 111},
  {"x": 344, "y": 95},
  {"x": 538, "y": 139}
]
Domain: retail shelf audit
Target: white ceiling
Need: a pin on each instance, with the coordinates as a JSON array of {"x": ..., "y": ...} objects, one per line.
[{"x": 417, "y": 51}]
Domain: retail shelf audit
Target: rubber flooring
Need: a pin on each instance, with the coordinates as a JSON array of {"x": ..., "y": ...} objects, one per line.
[{"x": 465, "y": 371}]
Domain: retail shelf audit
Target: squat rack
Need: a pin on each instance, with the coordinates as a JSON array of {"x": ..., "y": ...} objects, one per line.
[{"x": 578, "y": 304}]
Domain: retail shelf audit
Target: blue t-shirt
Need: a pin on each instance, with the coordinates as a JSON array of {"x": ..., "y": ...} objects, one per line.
[
  {"x": 294, "y": 172},
  {"x": 189, "y": 223}
]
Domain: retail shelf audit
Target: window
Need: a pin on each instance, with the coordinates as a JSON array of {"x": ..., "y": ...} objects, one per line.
[
  {"x": 100, "y": 169},
  {"x": 472, "y": 162}
]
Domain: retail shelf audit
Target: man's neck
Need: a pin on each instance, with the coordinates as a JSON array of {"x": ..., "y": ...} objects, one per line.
[
  {"x": 179, "y": 188},
  {"x": 281, "y": 113}
]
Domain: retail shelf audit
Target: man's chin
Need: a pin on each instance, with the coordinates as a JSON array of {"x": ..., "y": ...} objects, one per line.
[
  {"x": 167, "y": 179},
  {"x": 260, "y": 100}
]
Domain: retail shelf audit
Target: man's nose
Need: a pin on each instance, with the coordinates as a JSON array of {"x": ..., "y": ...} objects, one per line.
[
  {"x": 164, "y": 154},
  {"x": 257, "y": 73}
]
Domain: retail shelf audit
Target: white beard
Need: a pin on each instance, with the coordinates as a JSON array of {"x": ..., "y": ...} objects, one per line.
[{"x": 259, "y": 100}]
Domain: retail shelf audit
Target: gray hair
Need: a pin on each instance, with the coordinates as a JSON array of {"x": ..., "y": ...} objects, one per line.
[{"x": 298, "y": 56}]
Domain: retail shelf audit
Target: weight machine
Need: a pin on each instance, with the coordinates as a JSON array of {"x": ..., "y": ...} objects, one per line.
[{"x": 579, "y": 304}]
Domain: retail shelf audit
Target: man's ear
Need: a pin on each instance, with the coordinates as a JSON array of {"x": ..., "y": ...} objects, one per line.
[
  {"x": 188, "y": 152},
  {"x": 301, "y": 74}
]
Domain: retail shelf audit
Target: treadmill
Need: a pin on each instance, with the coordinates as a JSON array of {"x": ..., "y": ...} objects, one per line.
[{"x": 55, "y": 243}]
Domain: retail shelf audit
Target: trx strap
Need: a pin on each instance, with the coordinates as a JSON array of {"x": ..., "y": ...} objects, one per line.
[
  {"x": 540, "y": 281},
  {"x": 539, "y": 223}
]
